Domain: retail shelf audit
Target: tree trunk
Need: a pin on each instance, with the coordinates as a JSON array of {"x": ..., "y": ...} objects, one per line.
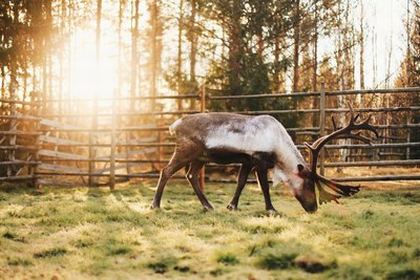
[
  {"x": 408, "y": 51},
  {"x": 120, "y": 21},
  {"x": 134, "y": 54},
  {"x": 235, "y": 47},
  {"x": 94, "y": 124},
  {"x": 315, "y": 103},
  {"x": 179, "y": 57},
  {"x": 276, "y": 80},
  {"x": 3, "y": 82},
  {"x": 61, "y": 53},
  {"x": 296, "y": 41},
  {"x": 362, "y": 48},
  {"x": 155, "y": 54},
  {"x": 193, "y": 55}
]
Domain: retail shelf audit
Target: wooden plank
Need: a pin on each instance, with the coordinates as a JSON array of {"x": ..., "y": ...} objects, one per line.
[
  {"x": 16, "y": 178},
  {"x": 127, "y": 98},
  {"x": 58, "y": 125},
  {"x": 19, "y": 162},
  {"x": 13, "y": 101},
  {"x": 315, "y": 93},
  {"x": 139, "y": 141},
  {"x": 345, "y": 179},
  {"x": 19, "y": 117},
  {"x": 18, "y": 132},
  {"x": 18, "y": 147},
  {"x": 60, "y": 168},
  {"x": 109, "y": 169},
  {"x": 56, "y": 182},
  {"x": 379, "y": 178},
  {"x": 146, "y": 127},
  {"x": 58, "y": 141},
  {"x": 49, "y": 153},
  {"x": 130, "y": 153},
  {"x": 373, "y": 163}
]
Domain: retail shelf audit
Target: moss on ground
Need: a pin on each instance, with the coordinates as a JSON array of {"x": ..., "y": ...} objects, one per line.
[{"x": 82, "y": 233}]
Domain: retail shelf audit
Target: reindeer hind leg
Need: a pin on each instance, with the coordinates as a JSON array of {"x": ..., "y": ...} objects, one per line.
[
  {"x": 194, "y": 179},
  {"x": 181, "y": 158}
]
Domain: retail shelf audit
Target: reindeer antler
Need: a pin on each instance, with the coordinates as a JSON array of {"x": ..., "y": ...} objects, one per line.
[{"x": 329, "y": 189}]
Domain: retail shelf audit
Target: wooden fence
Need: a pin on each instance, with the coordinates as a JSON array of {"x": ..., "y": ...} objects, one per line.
[{"x": 110, "y": 140}]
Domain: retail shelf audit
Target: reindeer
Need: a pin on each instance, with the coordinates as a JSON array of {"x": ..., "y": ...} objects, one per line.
[{"x": 258, "y": 143}]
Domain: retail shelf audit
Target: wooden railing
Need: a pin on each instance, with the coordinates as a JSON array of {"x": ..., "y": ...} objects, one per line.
[{"x": 99, "y": 146}]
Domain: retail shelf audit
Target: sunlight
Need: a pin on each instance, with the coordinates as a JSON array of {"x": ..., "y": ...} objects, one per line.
[{"x": 87, "y": 77}]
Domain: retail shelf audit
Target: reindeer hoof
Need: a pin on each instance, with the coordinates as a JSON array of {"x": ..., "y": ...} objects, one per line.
[
  {"x": 273, "y": 213},
  {"x": 154, "y": 206},
  {"x": 208, "y": 207},
  {"x": 232, "y": 207}
]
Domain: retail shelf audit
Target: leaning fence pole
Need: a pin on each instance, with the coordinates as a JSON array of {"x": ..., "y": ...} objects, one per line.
[
  {"x": 202, "y": 110},
  {"x": 322, "y": 124}
]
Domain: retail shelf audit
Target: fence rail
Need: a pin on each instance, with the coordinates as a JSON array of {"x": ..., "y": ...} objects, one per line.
[{"x": 38, "y": 141}]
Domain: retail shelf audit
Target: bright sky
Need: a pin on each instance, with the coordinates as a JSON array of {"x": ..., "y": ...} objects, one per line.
[{"x": 385, "y": 18}]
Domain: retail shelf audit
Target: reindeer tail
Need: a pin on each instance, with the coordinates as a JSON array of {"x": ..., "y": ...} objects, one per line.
[{"x": 173, "y": 126}]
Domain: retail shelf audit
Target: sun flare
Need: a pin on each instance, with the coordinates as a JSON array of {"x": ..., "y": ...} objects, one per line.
[{"x": 89, "y": 77}]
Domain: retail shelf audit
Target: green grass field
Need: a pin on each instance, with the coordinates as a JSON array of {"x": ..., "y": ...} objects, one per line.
[{"x": 80, "y": 233}]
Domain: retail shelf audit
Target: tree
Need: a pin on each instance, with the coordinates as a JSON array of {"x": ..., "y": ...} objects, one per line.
[
  {"x": 134, "y": 53},
  {"x": 409, "y": 75},
  {"x": 155, "y": 37}
]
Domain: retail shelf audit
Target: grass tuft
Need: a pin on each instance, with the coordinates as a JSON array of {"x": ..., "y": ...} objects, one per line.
[
  {"x": 228, "y": 259},
  {"x": 416, "y": 253},
  {"x": 314, "y": 263},
  {"x": 54, "y": 252},
  {"x": 277, "y": 261},
  {"x": 9, "y": 235},
  {"x": 182, "y": 268},
  {"x": 83, "y": 243},
  {"x": 19, "y": 262},
  {"x": 13, "y": 236},
  {"x": 217, "y": 272},
  {"x": 163, "y": 265},
  {"x": 403, "y": 274},
  {"x": 395, "y": 242}
]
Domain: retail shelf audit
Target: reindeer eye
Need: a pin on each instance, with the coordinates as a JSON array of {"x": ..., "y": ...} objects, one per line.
[{"x": 300, "y": 167}]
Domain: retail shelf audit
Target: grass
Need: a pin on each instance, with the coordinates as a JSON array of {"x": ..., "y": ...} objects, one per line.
[{"x": 81, "y": 233}]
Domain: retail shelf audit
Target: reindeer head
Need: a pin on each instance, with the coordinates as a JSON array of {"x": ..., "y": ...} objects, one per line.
[{"x": 316, "y": 189}]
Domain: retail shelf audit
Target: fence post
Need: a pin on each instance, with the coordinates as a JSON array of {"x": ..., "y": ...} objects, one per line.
[
  {"x": 112, "y": 153},
  {"x": 12, "y": 138},
  {"x": 407, "y": 154},
  {"x": 92, "y": 136},
  {"x": 322, "y": 124},
  {"x": 202, "y": 110},
  {"x": 35, "y": 111}
]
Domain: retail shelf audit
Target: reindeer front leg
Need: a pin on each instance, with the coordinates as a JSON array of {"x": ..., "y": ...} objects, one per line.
[
  {"x": 242, "y": 178},
  {"x": 262, "y": 179}
]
